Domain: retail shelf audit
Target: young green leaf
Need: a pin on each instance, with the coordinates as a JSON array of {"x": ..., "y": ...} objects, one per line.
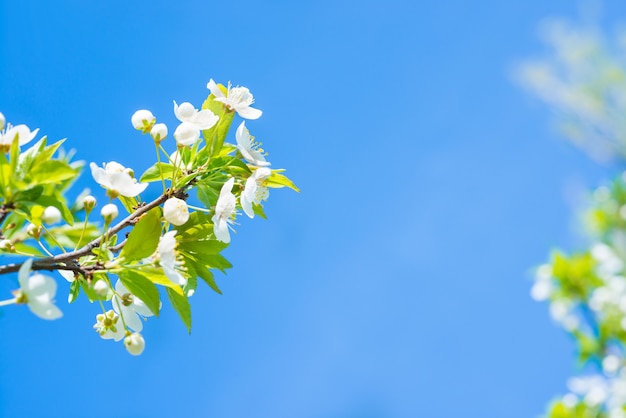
[
  {"x": 144, "y": 238},
  {"x": 155, "y": 172},
  {"x": 181, "y": 305}
]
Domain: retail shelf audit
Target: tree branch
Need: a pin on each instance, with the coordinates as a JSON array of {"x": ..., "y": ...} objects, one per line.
[{"x": 54, "y": 263}]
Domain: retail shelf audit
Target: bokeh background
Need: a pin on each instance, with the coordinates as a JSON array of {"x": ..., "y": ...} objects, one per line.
[{"x": 396, "y": 284}]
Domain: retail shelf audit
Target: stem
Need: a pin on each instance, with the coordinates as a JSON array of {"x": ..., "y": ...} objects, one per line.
[
  {"x": 156, "y": 146},
  {"x": 53, "y": 238},
  {"x": 82, "y": 233},
  {"x": 8, "y": 302}
]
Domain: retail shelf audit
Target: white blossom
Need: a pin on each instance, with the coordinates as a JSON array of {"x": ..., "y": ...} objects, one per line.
[
  {"x": 224, "y": 211},
  {"x": 2, "y": 121},
  {"x": 109, "y": 325},
  {"x": 22, "y": 132},
  {"x": 117, "y": 179},
  {"x": 192, "y": 122},
  {"x": 51, "y": 215},
  {"x": 143, "y": 120},
  {"x": 254, "y": 191},
  {"x": 237, "y": 98},
  {"x": 250, "y": 150},
  {"x": 175, "y": 211},
  {"x": 201, "y": 119},
  {"x": 134, "y": 344},
  {"x": 38, "y": 292},
  {"x": 168, "y": 258},
  {"x": 129, "y": 307}
]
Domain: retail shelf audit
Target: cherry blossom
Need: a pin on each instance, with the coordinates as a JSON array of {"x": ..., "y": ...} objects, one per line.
[{"x": 236, "y": 98}]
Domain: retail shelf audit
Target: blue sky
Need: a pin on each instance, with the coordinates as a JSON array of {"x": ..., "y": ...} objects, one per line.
[{"x": 394, "y": 285}]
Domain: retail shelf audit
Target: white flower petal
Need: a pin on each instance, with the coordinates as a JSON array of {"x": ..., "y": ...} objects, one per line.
[
  {"x": 215, "y": 90},
  {"x": 248, "y": 112},
  {"x": 22, "y": 275},
  {"x": 220, "y": 229},
  {"x": 45, "y": 310}
]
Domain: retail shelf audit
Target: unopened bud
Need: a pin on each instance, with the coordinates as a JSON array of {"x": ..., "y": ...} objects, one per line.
[
  {"x": 89, "y": 202},
  {"x": 109, "y": 212},
  {"x": 143, "y": 120},
  {"x": 158, "y": 132},
  {"x": 101, "y": 288},
  {"x": 51, "y": 215},
  {"x": 134, "y": 344},
  {"x": 175, "y": 211}
]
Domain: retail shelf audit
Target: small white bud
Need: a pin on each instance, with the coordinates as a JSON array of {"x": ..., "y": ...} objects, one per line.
[
  {"x": 101, "y": 288},
  {"x": 109, "y": 212},
  {"x": 186, "y": 134},
  {"x": 89, "y": 202},
  {"x": 175, "y": 211},
  {"x": 51, "y": 215},
  {"x": 158, "y": 132},
  {"x": 2, "y": 121},
  {"x": 134, "y": 344},
  {"x": 143, "y": 120}
]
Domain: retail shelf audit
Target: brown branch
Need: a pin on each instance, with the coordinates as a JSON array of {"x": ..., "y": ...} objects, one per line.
[{"x": 54, "y": 263}]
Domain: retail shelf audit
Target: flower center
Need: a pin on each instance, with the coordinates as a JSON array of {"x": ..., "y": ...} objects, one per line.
[{"x": 127, "y": 299}]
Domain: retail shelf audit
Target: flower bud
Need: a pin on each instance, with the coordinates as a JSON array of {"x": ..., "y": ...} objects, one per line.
[
  {"x": 134, "y": 344},
  {"x": 175, "y": 211},
  {"x": 51, "y": 215},
  {"x": 33, "y": 231},
  {"x": 101, "y": 288},
  {"x": 158, "y": 132},
  {"x": 186, "y": 134},
  {"x": 109, "y": 212},
  {"x": 2, "y": 121},
  {"x": 89, "y": 202},
  {"x": 143, "y": 120}
]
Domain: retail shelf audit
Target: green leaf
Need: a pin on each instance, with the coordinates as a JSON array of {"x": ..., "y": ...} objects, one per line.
[
  {"x": 28, "y": 195},
  {"x": 129, "y": 203},
  {"x": 206, "y": 275},
  {"x": 74, "y": 291},
  {"x": 181, "y": 305},
  {"x": 277, "y": 181},
  {"x": 52, "y": 171},
  {"x": 140, "y": 286},
  {"x": 258, "y": 210},
  {"x": 144, "y": 238},
  {"x": 154, "y": 173},
  {"x": 207, "y": 195},
  {"x": 157, "y": 276}
]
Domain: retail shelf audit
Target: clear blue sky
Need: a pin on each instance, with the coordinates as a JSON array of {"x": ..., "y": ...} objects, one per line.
[{"x": 394, "y": 286}]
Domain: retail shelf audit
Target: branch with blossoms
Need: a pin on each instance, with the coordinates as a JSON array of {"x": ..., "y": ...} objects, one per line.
[{"x": 160, "y": 247}]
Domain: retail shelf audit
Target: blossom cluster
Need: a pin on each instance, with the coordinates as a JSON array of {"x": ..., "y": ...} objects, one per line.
[
  {"x": 171, "y": 242},
  {"x": 587, "y": 296}
]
